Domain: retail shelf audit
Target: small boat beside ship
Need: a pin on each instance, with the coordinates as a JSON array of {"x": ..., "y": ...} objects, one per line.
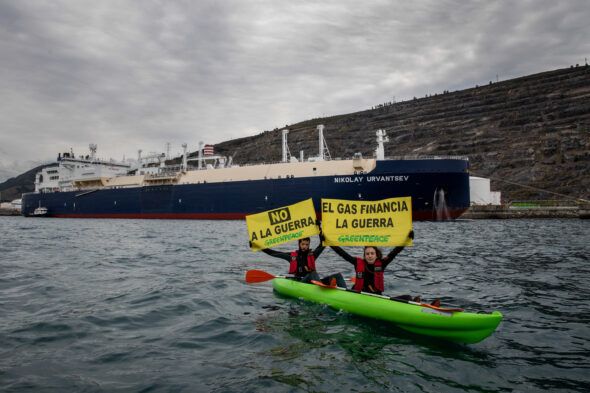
[
  {"x": 212, "y": 187},
  {"x": 41, "y": 211}
]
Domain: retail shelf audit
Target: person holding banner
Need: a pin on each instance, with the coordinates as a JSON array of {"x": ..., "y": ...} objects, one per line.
[
  {"x": 302, "y": 263},
  {"x": 369, "y": 269}
]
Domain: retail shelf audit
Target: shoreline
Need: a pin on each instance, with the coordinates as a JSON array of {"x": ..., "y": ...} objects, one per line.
[
  {"x": 9, "y": 212},
  {"x": 501, "y": 212},
  {"x": 511, "y": 212}
]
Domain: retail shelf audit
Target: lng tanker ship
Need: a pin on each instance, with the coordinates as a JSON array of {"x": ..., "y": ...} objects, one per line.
[{"x": 85, "y": 187}]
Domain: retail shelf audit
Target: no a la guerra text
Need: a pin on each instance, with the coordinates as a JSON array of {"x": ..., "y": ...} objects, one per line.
[{"x": 284, "y": 228}]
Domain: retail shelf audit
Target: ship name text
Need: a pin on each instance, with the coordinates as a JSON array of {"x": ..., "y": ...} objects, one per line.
[{"x": 370, "y": 179}]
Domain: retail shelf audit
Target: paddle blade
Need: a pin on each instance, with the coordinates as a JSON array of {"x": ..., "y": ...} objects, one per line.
[
  {"x": 254, "y": 276},
  {"x": 447, "y": 309},
  {"x": 321, "y": 284},
  {"x": 439, "y": 308}
]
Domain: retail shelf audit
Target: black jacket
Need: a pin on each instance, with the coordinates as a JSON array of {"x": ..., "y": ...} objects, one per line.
[{"x": 301, "y": 257}]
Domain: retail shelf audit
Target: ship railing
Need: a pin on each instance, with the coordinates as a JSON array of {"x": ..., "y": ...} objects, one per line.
[
  {"x": 403, "y": 157},
  {"x": 162, "y": 175},
  {"x": 279, "y": 162},
  {"x": 423, "y": 157},
  {"x": 173, "y": 170},
  {"x": 196, "y": 168}
]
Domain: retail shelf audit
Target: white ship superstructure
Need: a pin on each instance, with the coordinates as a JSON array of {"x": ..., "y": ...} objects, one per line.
[{"x": 72, "y": 173}]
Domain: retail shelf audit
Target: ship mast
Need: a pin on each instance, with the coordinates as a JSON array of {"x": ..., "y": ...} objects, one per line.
[
  {"x": 200, "y": 153},
  {"x": 324, "y": 151},
  {"x": 380, "y": 151},
  {"x": 93, "y": 148},
  {"x": 286, "y": 153},
  {"x": 184, "y": 165}
]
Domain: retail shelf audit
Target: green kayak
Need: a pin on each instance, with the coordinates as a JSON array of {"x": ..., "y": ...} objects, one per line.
[{"x": 461, "y": 327}]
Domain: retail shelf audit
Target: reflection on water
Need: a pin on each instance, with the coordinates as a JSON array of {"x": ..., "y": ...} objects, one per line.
[{"x": 441, "y": 211}]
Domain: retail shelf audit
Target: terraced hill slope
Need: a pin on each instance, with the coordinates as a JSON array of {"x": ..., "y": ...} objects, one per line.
[{"x": 531, "y": 135}]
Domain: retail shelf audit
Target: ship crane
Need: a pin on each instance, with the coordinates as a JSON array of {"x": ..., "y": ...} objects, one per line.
[{"x": 381, "y": 138}]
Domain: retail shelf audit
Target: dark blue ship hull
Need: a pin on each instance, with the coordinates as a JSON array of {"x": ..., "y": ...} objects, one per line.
[{"x": 423, "y": 180}]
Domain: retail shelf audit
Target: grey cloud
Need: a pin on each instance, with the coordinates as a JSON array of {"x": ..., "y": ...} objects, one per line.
[{"x": 130, "y": 74}]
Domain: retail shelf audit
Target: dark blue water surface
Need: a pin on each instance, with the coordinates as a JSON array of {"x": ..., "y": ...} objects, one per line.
[{"x": 133, "y": 305}]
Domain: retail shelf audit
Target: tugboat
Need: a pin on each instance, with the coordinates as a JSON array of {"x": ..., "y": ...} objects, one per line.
[{"x": 40, "y": 211}]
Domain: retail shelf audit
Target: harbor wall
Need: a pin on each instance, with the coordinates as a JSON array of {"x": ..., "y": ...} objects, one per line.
[
  {"x": 511, "y": 212},
  {"x": 9, "y": 212}
]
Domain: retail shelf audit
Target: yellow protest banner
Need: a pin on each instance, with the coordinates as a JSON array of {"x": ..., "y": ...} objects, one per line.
[
  {"x": 360, "y": 223},
  {"x": 282, "y": 225}
]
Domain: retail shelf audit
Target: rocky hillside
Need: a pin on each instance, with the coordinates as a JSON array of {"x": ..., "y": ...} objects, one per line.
[
  {"x": 530, "y": 135},
  {"x": 15, "y": 186}
]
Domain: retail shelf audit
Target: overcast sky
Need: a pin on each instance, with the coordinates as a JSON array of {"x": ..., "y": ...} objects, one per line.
[{"x": 131, "y": 75}]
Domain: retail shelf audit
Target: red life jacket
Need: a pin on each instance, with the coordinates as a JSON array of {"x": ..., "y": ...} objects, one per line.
[
  {"x": 294, "y": 267},
  {"x": 377, "y": 283}
]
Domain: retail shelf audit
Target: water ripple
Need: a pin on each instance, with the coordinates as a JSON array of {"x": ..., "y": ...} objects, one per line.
[{"x": 131, "y": 305}]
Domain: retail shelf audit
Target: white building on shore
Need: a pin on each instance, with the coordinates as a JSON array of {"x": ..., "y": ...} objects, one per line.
[
  {"x": 480, "y": 192},
  {"x": 14, "y": 205}
]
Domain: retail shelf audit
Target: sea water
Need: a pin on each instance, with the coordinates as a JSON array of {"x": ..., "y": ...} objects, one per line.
[{"x": 161, "y": 305}]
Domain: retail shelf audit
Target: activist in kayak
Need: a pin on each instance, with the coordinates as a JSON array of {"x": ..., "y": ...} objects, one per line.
[
  {"x": 302, "y": 263},
  {"x": 369, "y": 269}
]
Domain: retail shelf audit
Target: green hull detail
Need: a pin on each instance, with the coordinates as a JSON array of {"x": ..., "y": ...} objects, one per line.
[{"x": 461, "y": 327}]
